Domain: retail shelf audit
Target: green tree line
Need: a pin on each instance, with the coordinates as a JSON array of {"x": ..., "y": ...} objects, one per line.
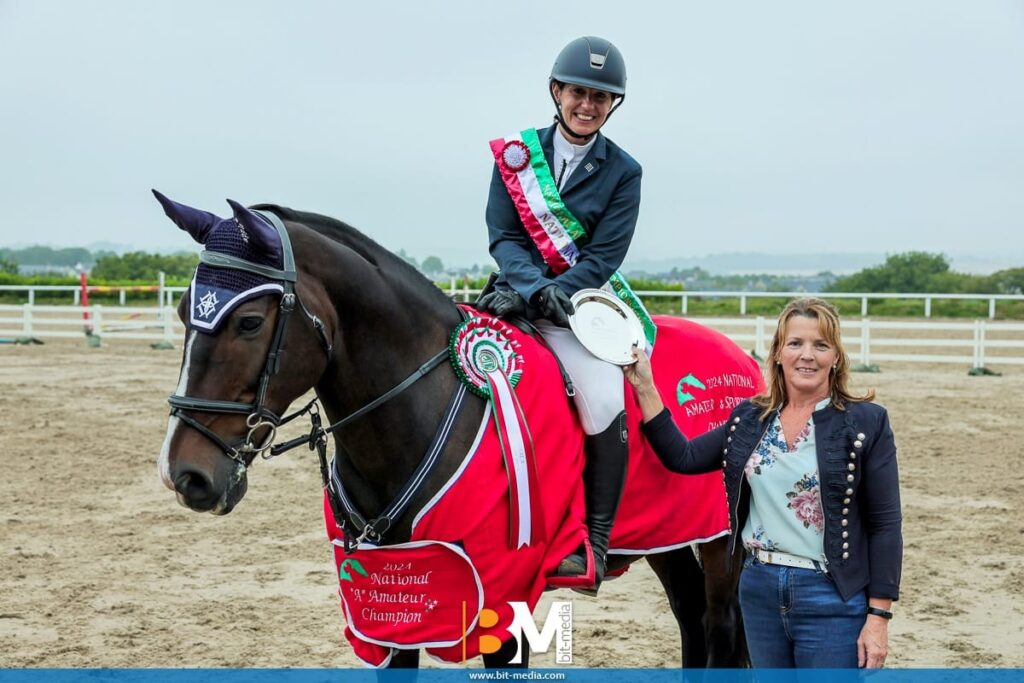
[{"x": 927, "y": 273}]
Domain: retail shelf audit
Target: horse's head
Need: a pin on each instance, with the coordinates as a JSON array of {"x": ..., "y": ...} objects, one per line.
[{"x": 240, "y": 312}]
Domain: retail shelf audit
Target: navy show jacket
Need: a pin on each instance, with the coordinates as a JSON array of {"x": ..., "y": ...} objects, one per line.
[
  {"x": 859, "y": 478},
  {"x": 603, "y": 193}
]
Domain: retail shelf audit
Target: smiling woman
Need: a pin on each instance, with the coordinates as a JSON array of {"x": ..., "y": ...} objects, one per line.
[
  {"x": 813, "y": 488},
  {"x": 562, "y": 208}
]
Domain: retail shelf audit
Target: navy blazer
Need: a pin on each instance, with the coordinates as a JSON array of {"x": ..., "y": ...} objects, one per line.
[
  {"x": 604, "y": 195},
  {"x": 860, "y": 493}
]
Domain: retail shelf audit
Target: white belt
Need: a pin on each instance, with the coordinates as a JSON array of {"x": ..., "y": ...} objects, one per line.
[{"x": 787, "y": 560}]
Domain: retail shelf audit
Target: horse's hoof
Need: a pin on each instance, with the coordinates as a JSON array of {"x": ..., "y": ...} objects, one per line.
[{"x": 589, "y": 592}]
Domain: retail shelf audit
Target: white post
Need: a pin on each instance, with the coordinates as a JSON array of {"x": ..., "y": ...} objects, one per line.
[
  {"x": 465, "y": 291},
  {"x": 863, "y": 306},
  {"x": 32, "y": 296},
  {"x": 977, "y": 344},
  {"x": 991, "y": 309},
  {"x": 685, "y": 304},
  {"x": 97, "y": 320},
  {"x": 759, "y": 337},
  {"x": 451, "y": 288},
  {"x": 743, "y": 304},
  {"x": 927, "y": 307},
  {"x": 865, "y": 341},
  {"x": 160, "y": 292},
  {"x": 168, "y": 315},
  {"x": 981, "y": 343},
  {"x": 121, "y": 296},
  {"x": 26, "y": 313}
]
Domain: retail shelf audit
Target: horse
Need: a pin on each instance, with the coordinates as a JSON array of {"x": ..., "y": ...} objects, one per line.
[{"x": 319, "y": 305}]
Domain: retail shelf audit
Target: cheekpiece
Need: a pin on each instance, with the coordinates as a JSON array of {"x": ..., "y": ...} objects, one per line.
[
  {"x": 515, "y": 156},
  {"x": 479, "y": 346}
]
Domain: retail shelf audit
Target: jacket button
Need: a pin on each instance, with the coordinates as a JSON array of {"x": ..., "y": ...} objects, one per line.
[
  {"x": 732, "y": 429},
  {"x": 858, "y": 443},
  {"x": 723, "y": 464},
  {"x": 853, "y": 456},
  {"x": 846, "y": 501},
  {"x": 846, "y": 556},
  {"x": 861, "y": 436},
  {"x": 846, "y": 511},
  {"x": 849, "y": 492},
  {"x": 728, "y": 439},
  {"x": 736, "y": 420},
  {"x": 846, "y": 546},
  {"x": 846, "y": 534},
  {"x": 849, "y": 477},
  {"x": 725, "y": 451},
  {"x": 851, "y": 467},
  {"x": 845, "y": 522}
]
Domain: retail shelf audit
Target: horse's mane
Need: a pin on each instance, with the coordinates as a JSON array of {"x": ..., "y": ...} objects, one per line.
[{"x": 371, "y": 252}]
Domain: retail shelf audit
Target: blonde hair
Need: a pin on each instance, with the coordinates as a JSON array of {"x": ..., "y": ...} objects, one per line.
[{"x": 774, "y": 396}]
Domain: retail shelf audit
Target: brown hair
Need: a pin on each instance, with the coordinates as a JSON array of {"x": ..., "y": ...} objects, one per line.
[{"x": 774, "y": 396}]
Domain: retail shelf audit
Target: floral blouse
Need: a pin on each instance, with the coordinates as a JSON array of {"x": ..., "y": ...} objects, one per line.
[{"x": 785, "y": 505}]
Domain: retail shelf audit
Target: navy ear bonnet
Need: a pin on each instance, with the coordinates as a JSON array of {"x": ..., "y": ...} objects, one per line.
[{"x": 215, "y": 291}]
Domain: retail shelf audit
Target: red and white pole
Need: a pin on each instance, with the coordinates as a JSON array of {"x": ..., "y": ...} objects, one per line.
[{"x": 85, "y": 306}]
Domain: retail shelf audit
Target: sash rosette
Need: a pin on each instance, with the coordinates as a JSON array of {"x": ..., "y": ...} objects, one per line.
[
  {"x": 487, "y": 359},
  {"x": 556, "y": 232}
]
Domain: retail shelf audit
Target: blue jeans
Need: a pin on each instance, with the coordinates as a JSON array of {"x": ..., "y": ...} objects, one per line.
[{"x": 796, "y": 618}]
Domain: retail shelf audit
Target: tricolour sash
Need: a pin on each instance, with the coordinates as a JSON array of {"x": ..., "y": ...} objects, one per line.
[{"x": 549, "y": 223}]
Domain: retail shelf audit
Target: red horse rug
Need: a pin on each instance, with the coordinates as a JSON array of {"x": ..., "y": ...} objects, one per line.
[{"x": 443, "y": 589}]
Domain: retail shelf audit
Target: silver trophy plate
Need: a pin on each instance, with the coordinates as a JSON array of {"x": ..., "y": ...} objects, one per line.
[{"x": 606, "y": 326}]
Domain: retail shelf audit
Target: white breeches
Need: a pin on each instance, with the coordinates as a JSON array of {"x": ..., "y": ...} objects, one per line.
[{"x": 599, "y": 384}]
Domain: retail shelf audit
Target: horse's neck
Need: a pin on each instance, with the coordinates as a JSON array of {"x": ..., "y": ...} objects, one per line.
[{"x": 387, "y": 328}]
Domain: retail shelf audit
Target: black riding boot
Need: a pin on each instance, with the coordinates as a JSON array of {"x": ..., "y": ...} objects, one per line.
[{"x": 603, "y": 478}]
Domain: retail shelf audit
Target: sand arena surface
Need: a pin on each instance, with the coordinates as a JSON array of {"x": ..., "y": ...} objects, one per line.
[{"x": 101, "y": 567}]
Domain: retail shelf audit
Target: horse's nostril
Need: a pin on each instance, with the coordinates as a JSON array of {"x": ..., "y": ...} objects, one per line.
[{"x": 196, "y": 489}]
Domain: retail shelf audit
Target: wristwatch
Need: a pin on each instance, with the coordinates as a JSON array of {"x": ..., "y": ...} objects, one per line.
[{"x": 879, "y": 612}]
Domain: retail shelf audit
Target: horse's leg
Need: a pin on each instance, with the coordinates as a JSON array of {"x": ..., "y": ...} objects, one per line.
[
  {"x": 680, "y": 574},
  {"x": 501, "y": 658},
  {"x": 723, "y": 623},
  {"x": 405, "y": 659}
]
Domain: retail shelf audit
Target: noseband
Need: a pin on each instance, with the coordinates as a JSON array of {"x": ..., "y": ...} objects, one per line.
[{"x": 258, "y": 415}]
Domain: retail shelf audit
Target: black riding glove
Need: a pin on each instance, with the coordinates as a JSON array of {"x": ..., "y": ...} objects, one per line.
[
  {"x": 555, "y": 305},
  {"x": 502, "y": 303}
]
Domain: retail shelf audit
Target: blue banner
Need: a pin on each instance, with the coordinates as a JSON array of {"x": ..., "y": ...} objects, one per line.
[{"x": 483, "y": 675}]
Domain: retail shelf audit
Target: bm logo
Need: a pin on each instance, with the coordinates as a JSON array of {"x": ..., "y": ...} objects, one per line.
[{"x": 557, "y": 627}]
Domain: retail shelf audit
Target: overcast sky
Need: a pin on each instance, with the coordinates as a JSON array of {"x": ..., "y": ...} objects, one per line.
[{"x": 779, "y": 127}]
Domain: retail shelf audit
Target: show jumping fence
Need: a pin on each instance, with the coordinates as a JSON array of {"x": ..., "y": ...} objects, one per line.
[{"x": 976, "y": 343}]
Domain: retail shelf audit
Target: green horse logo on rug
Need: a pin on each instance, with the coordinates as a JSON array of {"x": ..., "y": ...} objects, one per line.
[{"x": 682, "y": 393}]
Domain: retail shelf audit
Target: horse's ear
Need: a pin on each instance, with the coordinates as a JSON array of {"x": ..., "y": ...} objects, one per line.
[
  {"x": 193, "y": 221},
  {"x": 264, "y": 234}
]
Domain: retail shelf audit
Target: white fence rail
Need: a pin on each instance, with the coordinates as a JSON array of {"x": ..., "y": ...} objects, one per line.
[
  {"x": 977, "y": 343},
  {"x": 158, "y": 323},
  {"x": 166, "y": 296}
]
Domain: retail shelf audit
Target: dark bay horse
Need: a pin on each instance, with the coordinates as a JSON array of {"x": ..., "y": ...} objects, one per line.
[{"x": 354, "y": 321}]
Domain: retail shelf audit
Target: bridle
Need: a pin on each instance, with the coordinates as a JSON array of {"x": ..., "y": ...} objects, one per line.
[
  {"x": 259, "y": 416},
  {"x": 355, "y": 527}
]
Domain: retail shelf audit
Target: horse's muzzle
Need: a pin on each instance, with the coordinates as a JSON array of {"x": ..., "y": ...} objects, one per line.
[{"x": 197, "y": 491}]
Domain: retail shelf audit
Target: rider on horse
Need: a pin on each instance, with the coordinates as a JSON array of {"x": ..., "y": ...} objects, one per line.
[{"x": 579, "y": 173}]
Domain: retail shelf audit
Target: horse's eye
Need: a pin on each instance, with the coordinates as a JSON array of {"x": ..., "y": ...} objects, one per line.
[{"x": 250, "y": 323}]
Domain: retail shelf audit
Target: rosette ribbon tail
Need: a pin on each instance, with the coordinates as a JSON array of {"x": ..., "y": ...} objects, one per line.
[{"x": 525, "y": 507}]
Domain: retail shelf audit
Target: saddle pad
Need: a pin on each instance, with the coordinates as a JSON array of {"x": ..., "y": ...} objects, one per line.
[{"x": 701, "y": 375}]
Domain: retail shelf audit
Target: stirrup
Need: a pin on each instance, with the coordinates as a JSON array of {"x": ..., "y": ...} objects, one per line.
[{"x": 585, "y": 580}]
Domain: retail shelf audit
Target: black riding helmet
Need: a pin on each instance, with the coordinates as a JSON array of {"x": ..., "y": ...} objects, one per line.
[{"x": 590, "y": 62}]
